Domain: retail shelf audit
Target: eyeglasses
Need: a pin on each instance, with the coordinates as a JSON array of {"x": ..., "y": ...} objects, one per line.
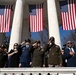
[{"x": 69, "y": 43}]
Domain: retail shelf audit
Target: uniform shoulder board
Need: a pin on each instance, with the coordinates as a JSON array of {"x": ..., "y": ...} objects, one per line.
[
  {"x": 57, "y": 46},
  {"x": 42, "y": 48}
]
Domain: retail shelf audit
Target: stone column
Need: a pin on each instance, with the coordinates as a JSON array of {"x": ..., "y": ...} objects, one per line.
[
  {"x": 53, "y": 24},
  {"x": 17, "y": 24}
]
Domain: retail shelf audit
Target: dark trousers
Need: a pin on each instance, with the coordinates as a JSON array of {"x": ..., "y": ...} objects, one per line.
[{"x": 25, "y": 64}]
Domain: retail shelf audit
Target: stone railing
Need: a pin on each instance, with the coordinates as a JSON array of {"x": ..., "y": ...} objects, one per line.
[{"x": 38, "y": 71}]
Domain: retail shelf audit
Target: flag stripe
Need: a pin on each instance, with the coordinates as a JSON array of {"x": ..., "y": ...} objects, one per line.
[
  {"x": 5, "y": 19},
  {"x": 36, "y": 21},
  {"x": 69, "y": 17}
]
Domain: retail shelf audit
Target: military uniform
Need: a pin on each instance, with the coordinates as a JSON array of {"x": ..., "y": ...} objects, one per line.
[
  {"x": 38, "y": 56},
  {"x": 54, "y": 56},
  {"x": 25, "y": 57}
]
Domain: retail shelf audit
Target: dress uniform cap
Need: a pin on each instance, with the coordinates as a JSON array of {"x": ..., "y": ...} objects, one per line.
[
  {"x": 52, "y": 38},
  {"x": 37, "y": 41},
  {"x": 64, "y": 45},
  {"x": 3, "y": 46},
  {"x": 27, "y": 40}
]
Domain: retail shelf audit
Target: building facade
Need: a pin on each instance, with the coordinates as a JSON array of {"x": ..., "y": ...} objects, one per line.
[{"x": 20, "y": 20}]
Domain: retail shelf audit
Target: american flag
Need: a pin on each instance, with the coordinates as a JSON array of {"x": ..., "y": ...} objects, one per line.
[
  {"x": 36, "y": 17},
  {"x": 5, "y": 18},
  {"x": 68, "y": 14}
]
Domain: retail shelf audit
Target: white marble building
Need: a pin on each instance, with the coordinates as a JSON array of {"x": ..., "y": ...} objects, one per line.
[
  {"x": 20, "y": 20},
  {"x": 20, "y": 31}
]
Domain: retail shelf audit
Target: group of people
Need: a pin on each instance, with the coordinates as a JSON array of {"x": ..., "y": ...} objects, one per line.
[{"x": 35, "y": 55}]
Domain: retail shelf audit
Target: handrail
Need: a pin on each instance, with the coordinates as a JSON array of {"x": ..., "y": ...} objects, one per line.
[{"x": 38, "y": 71}]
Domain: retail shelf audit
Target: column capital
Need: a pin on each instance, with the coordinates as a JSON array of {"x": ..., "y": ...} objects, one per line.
[{"x": 23, "y": 1}]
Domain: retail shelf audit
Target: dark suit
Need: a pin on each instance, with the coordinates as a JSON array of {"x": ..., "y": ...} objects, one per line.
[
  {"x": 71, "y": 59},
  {"x": 64, "y": 60},
  {"x": 3, "y": 58},
  {"x": 14, "y": 59}
]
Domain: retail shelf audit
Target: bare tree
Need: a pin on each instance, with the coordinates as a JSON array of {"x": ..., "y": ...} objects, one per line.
[
  {"x": 71, "y": 37},
  {"x": 44, "y": 36}
]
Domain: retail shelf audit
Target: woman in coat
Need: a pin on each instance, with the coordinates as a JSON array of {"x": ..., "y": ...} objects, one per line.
[{"x": 13, "y": 57}]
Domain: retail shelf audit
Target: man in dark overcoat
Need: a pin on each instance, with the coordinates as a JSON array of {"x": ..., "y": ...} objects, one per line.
[{"x": 70, "y": 55}]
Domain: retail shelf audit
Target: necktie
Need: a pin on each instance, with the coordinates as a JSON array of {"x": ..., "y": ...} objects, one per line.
[{"x": 71, "y": 50}]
